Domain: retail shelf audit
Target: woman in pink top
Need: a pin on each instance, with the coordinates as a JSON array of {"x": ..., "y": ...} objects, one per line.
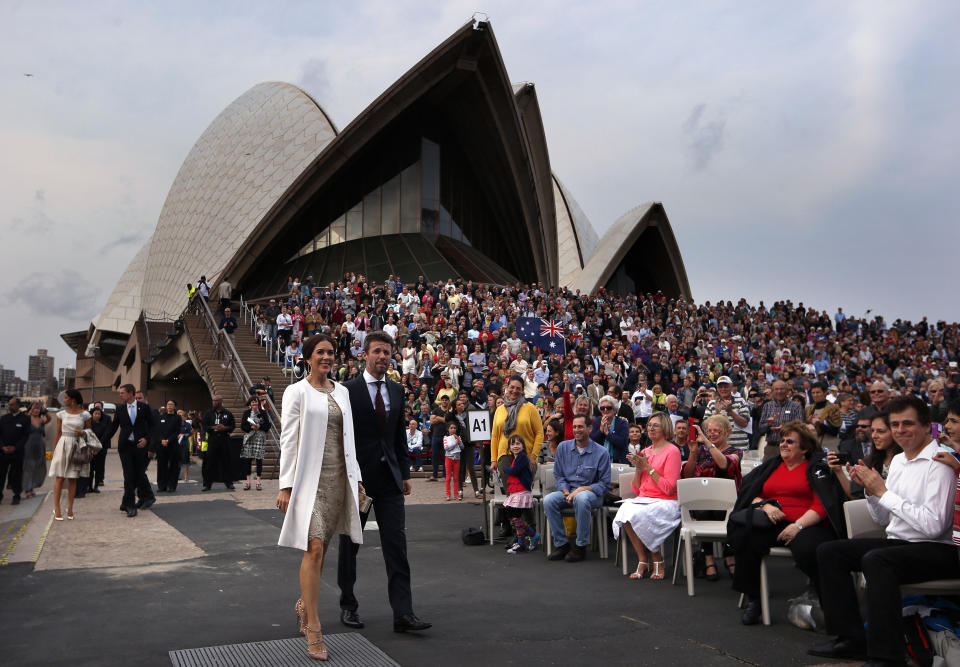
[{"x": 654, "y": 514}]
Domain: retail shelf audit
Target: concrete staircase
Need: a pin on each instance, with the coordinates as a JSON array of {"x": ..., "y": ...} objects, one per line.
[{"x": 221, "y": 380}]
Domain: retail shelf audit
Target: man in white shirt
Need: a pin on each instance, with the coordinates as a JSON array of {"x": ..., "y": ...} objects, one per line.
[
  {"x": 916, "y": 504},
  {"x": 414, "y": 442}
]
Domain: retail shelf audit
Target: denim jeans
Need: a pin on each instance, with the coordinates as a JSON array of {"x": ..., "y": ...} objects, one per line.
[{"x": 583, "y": 504}]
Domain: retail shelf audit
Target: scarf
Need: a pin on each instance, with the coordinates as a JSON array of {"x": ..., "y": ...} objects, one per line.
[{"x": 513, "y": 408}]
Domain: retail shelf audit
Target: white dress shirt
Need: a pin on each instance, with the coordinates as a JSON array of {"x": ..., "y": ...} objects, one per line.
[
  {"x": 918, "y": 504},
  {"x": 372, "y": 388}
]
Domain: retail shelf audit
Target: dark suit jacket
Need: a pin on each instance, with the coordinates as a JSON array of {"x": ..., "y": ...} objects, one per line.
[
  {"x": 373, "y": 444},
  {"x": 853, "y": 449},
  {"x": 142, "y": 428}
]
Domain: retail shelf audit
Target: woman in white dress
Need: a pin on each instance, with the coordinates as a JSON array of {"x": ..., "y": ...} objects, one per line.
[
  {"x": 71, "y": 422},
  {"x": 319, "y": 477},
  {"x": 409, "y": 362},
  {"x": 650, "y": 518}
]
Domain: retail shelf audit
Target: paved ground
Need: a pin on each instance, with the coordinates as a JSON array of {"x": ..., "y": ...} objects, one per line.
[{"x": 202, "y": 569}]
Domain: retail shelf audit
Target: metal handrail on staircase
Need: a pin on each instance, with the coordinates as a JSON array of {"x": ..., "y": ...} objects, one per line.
[{"x": 225, "y": 351}]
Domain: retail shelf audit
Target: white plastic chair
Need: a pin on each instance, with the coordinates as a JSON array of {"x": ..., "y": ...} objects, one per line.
[
  {"x": 626, "y": 493},
  {"x": 701, "y": 494},
  {"x": 861, "y": 524}
]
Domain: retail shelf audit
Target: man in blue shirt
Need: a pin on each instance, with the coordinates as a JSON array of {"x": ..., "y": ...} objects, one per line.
[{"x": 582, "y": 471}]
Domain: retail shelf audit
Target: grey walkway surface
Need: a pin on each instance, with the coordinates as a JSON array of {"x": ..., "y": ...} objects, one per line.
[
  {"x": 487, "y": 608},
  {"x": 345, "y": 650}
]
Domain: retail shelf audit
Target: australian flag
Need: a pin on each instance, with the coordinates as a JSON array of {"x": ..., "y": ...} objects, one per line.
[{"x": 545, "y": 334}]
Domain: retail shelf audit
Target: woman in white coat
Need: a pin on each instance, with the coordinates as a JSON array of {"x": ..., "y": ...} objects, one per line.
[{"x": 319, "y": 477}]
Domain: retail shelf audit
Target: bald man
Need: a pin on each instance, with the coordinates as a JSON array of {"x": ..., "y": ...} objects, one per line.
[{"x": 218, "y": 423}]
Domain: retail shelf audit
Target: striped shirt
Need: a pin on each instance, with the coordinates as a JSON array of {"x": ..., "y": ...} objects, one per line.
[{"x": 739, "y": 437}]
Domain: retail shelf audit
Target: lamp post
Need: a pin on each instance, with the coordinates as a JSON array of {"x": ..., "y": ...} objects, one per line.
[{"x": 91, "y": 353}]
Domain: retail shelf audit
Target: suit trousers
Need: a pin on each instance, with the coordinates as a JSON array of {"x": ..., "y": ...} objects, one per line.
[
  {"x": 134, "y": 462},
  {"x": 216, "y": 461},
  {"x": 885, "y": 564},
  {"x": 11, "y": 470},
  {"x": 97, "y": 468},
  {"x": 389, "y": 511},
  {"x": 757, "y": 543},
  {"x": 168, "y": 466},
  {"x": 467, "y": 466}
]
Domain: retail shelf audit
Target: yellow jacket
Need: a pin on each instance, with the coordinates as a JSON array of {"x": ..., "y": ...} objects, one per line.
[{"x": 529, "y": 427}]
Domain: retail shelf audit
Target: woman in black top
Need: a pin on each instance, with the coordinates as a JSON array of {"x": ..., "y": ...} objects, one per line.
[{"x": 166, "y": 440}]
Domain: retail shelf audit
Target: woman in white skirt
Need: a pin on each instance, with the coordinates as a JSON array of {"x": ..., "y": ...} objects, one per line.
[
  {"x": 71, "y": 422},
  {"x": 654, "y": 514}
]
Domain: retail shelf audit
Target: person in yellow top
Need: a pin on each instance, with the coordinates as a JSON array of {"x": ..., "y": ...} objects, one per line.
[{"x": 515, "y": 417}]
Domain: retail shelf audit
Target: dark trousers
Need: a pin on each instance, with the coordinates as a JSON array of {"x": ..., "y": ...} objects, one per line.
[
  {"x": 393, "y": 542},
  {"x": 97, "y": 467},
  {"x": 168, "y": 466},
  {"x": 436, "y": 455},
  {"x": 757, "y": 543},
  {"x": 134, "y": 462},
  {"x": 466, "y": 466},
  {"x": 885, "y": 564},
  {"x": 11, "y": 470},
  {"x": 248, "y": 467},
  {"x": 216, "y": 461}
]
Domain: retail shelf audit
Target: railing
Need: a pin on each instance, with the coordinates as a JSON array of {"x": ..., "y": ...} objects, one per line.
[
  {"x": 246, "y": 316},
  {"x": 226, "y": 353}
]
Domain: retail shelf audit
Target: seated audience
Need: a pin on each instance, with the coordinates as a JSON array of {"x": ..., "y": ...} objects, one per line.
[
  {"x": 654, "y": 514},
  {"x": 611, "y": 431},
  {"x": 803, "y": 504},
  {"x": 882, "y": 450},
  {"x": 916, "y": 505}
]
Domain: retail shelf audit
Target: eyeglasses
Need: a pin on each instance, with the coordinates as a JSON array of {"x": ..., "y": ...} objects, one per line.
[
  {"x": 789, "y": 441},
  {"x": 605, "y": 408}
]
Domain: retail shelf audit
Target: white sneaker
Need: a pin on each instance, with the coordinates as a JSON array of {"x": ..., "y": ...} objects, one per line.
[{"x": 516, "y": 548}]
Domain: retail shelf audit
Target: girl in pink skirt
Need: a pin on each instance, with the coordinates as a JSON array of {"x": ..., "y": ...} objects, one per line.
[{"x": 519, "y": 498}]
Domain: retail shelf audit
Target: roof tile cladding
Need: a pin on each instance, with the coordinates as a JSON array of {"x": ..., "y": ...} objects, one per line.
[
  {"x": 123, "y": 307},
  {"x": 240, "y": 166}
]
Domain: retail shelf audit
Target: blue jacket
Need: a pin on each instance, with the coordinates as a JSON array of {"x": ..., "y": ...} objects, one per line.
[
  {"x": 521, "y": 470},
  {"x": 618, "y": 437}
]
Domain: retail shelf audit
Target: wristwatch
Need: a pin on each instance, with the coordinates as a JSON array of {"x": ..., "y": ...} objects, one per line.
[{"x": 798, "y": 525}]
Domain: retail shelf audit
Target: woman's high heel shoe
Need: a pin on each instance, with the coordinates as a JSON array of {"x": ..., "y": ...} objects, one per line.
[
  {"x": 638, "y": 574},
  {"x": 316, "y": 649},
  {"x": 301, "y": 616},
  {"x": 658, "y": 570}
]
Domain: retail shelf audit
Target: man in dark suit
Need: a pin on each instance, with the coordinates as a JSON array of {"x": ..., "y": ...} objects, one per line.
[
  {"x": 136, "y": 422},
  {"x": 378, "y": 427},
  {"x": 860, "y": 446}
]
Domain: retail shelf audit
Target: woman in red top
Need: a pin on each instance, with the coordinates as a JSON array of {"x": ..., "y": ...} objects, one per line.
[{"x": 808, "y": 512}]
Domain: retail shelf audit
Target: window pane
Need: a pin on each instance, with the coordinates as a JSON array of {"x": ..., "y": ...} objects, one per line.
[
  {"x": 390, "y": 206},
  {"x": 355, "y": 221},
  {"x": 410, "y": 199},
  {"x": 431, "y": 175},
  {"x": 371, "y": 214},
  {"x": 324, "y": 239},
  {"x": 338, "y": 232}
]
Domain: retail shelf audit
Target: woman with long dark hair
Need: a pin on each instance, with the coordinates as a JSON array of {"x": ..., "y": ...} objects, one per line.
[
  {"x": 71, "y": 422},
  {"x": 319, "y": 477}
]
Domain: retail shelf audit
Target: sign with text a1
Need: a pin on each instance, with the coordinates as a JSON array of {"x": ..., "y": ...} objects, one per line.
[{"x": 480, "y": 423}]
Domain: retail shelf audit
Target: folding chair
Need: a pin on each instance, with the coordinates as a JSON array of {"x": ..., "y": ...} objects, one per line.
[
  {"x": 498, "y": 498},
  {"x": 700, "y": 494}
]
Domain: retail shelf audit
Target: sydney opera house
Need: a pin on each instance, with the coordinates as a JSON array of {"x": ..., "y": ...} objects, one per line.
[{"x": 446, "y": 174}]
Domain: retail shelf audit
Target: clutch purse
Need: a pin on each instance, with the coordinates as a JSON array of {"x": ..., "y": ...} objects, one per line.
[{"x": 365, "y": 502}]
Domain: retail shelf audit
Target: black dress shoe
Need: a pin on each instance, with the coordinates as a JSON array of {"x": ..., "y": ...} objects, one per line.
[
  {"x": 140, "y": 503},
  {"x": 885, "y": 663},
  {"x": 409, "y": 622},
  {"x": 231, "y": 487},
  {"x": 577, "y": 554},
  {"x": 147, "y": 504},
  {"x": 559, "y": 553},
  {"x": 840, "y": 647},
  {"x": 123, "y": 508},
  {"x": 753, "y": 614},
  {"x": 15, "y": 501},
  {"x": 351, "y": 619},
  {"x": 94, "y": 490},
  {"x": 131, "y": 512},
  {"x": 206, "y": 488}
]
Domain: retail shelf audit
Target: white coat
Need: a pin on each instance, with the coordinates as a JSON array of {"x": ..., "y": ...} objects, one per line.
[{"x": 302, "y": 440}]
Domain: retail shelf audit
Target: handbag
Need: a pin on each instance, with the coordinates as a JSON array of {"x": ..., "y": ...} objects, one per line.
[
  {"x": 753, "y": 516},
  {"x": 86, "y": 446}
]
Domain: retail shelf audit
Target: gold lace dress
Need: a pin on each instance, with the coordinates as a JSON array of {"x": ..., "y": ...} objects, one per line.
[{"x": 329, "y": 516}]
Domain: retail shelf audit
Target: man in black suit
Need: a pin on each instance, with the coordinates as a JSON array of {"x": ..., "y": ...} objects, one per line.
[
  {"x": 136, "y": 422},
  {"x": 378, "y": 428},
  {"x": 860, "y": 446}
]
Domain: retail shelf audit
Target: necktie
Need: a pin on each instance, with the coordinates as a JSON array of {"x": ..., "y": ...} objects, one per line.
[
  {"x": 132, "y": 411},
  {"x": 380, "y": 407}
]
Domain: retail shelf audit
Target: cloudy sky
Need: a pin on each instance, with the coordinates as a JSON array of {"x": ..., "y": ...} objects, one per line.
[{"x": 803, "y": 150}]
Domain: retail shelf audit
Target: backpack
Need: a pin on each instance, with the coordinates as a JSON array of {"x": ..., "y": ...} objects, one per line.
[{"x": 472, "y": 537}]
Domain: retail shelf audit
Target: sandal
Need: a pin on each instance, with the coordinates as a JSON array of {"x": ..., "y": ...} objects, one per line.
[
  {"x": 658, "y": 568},
  {"x": 711, "y": 577},
  {"x": 477, "y": 494},
  {"x": 638, "y": 574},
  {"x": 319, "y": 653},
  {"x": 246, "y": 486},
  {"x": 70, "y": 516},
  {"x": 259, "y": 485},
  {"x": 301, "y": 616}
]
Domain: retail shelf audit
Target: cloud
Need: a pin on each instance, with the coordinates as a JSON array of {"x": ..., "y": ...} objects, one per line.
[
  {"x": 40, "y": 196},
  {"x": 315, "y": 79},
  {"x": 706, "y": 139},
  {"x": 62, "y": 294},
  {"x": 125, "y": 240}
]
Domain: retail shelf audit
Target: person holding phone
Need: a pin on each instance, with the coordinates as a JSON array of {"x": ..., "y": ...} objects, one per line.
[
  {"x": 881, "y": 455},
  {"x": 713, "y": 456}
]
